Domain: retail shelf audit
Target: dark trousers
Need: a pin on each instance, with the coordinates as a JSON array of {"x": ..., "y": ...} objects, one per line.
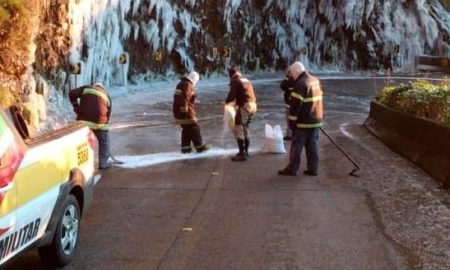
[
  {"x": 190, "y": 133},
  {"x": 308, "y": 138},
  {"x": 103, "y": 146}
]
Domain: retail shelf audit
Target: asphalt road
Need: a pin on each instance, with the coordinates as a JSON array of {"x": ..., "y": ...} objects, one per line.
[{"x": 216, "y": 214}]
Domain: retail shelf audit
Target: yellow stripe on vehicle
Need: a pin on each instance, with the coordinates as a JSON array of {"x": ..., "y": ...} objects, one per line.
[
  {"x": 38, "y": 173},
  {"x": 39, "y": 177},
  {"x": 8, "y": 205},
  {"x": 98, "y": 93}
]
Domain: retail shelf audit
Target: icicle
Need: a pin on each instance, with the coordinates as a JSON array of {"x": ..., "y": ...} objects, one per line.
[
  {"x": 136, "y": 5},
  {"x": 150, "y": 32},
  {"x": 322, "y": 27},
  {"x": 136, "y": 29}
]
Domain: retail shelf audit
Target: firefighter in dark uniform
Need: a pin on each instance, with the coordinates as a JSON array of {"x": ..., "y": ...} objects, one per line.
[
  {"x": 242, "y": 96},
  {"x": 92, "y": 104},
  {"x": 185, "y": 115},
  {"x": 305, "y": 119},
  {"x": 286, "y": 85}
]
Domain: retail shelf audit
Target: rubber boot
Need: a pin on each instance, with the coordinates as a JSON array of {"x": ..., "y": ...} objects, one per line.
[
  {"x": 241, "y": 155},
  {"x": 203, "y": 148},
  {"x": 247, "y": 144}
]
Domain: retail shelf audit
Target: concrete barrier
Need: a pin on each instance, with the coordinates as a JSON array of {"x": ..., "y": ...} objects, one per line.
[{"x": 424, "y": 142}]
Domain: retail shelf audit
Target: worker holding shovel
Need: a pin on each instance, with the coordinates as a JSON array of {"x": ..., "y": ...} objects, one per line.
[{"x": 305, "y": 120}]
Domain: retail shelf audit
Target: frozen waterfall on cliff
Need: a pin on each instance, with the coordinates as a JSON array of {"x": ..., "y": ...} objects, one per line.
[{"x": 173, "y": 36}]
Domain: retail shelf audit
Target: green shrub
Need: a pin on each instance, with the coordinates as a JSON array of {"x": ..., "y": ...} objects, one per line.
[{"x": 420, "y": 98}]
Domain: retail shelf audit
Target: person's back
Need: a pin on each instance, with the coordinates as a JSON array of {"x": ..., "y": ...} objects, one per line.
[
  {"x": 305, "y": 119},
  {"x": 185, "y": 114},
  {"x": 94, "y": 104},
  {"x": 243, "y": 96},
  {"x": 183, "y": 102},
  {"x": 311, "y": 110},
  {"x": 241, "y": 90}
]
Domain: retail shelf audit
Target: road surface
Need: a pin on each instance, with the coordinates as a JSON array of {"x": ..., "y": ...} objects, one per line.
[{"x": 211, "y": 213}]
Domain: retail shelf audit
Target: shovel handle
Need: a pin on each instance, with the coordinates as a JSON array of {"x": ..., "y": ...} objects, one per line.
[{"x": 340, "y": 149}]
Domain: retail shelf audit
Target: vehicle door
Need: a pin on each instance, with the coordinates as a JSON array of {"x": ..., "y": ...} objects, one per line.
[{"x": 11, "y": 155}]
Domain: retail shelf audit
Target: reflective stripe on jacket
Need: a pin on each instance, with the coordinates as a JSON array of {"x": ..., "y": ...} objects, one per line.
[
  {"x": 92, "y": 104},
  {"x": 183, "y": 103},
  {"x": 306, "y": 104}
]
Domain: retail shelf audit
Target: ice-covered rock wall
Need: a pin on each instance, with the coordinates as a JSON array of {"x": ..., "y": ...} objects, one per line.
[{"x": 172, "y": 36}]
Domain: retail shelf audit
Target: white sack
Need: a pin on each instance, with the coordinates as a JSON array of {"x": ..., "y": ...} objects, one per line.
[
  {"x": 273, "y": 142},
  {"x": 229, "y": 112}
]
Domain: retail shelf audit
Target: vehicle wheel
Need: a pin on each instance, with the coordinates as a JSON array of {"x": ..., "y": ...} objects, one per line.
[{"x": 61, "y": 250}]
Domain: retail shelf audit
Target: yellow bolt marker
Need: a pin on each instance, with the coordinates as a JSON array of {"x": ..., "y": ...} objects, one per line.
[
  {"x": 215, "y": 52},
  {"x": 226, "y": 52},
  {"x": 122, "y": 58},
  {"x": 75, "y": 69},
  {"x": 396, "y": 49},
  {"x": 158, "y": 56},
  {"x": 303, "y": 50}
]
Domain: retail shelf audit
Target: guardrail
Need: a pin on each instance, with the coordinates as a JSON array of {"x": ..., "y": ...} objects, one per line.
[{"x": 433, "y": 63}]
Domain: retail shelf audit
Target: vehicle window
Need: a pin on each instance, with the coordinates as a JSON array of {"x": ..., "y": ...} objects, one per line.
[{"x": 19, "y": 122}]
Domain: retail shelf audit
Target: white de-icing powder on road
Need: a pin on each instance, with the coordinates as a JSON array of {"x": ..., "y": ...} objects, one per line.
[{"x": 158, "y": 158}]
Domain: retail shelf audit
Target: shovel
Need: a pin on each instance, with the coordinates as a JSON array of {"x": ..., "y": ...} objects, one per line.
[{"x": 357, "y": 171}]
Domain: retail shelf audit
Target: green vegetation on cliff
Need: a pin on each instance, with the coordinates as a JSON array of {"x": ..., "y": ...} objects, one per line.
[
  {"x": 15, "y": 34},
  {"x": 16, "y": 28},
  {"x": 420, "y": 98}
]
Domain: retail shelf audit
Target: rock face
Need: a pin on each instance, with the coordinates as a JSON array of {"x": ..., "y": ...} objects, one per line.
[
  {"x": 161, "y": 37},
  {"x": 171, "y": 36},
  {"x": 118, "y": 40}
]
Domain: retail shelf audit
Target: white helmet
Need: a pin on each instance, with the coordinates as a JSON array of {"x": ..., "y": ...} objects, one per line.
[
  {"x": 193, "y": 77},
  {"x": 296, "y": 69},
  {"x": 99, "y": 85}
]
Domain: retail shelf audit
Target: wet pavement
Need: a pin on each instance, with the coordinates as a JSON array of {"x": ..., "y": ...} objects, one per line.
[{"x": 212, "y": 213}]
